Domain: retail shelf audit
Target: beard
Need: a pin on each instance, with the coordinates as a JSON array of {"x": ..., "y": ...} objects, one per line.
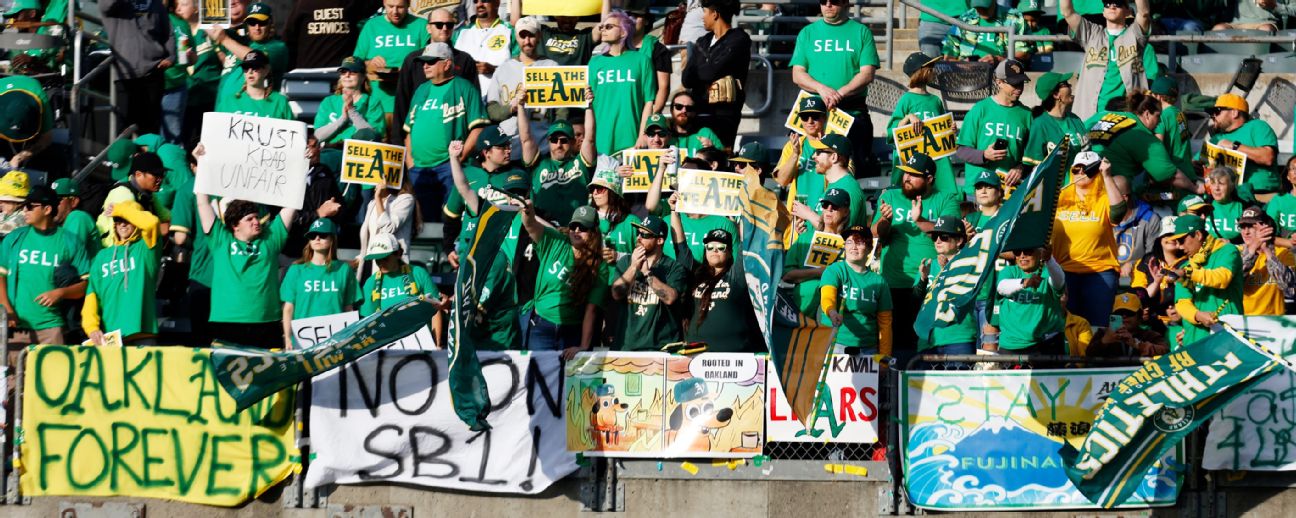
[{"x": 911, "y": 191}]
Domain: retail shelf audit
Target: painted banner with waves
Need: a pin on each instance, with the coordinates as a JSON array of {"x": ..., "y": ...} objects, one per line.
[{"x": 982, "y": 441}]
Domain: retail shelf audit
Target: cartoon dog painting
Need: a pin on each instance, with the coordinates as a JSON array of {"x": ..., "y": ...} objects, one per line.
[
  {"x": 696, "y": 412},
  {"x": 603, "y": 416}
]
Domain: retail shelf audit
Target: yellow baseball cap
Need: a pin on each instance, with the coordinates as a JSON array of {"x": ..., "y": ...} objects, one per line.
[
  {"x": 1232, "y": 102},
  {"x": 1127, "y": 302}
]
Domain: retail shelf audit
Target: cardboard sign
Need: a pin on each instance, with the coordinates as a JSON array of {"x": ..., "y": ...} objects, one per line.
[
  {"x": 213, "y": 13},
  {"x": 711, "y": 192},
  {"x": 555, "y": 87},
  {"x": 936, "y": 140},
  {"x": 645, "y": 163},
  {"x": 825, "y": 248},
  {"x": 373, "y": 163},
  {"x": 308, "y": 332},
  {"x": 257, "y": 159},
  {"x": 422, "y": 8},
  {"x": 562, "y": 7},
  {"x": 1218, "y": 156},
  {"x": 839, "y": 122},
  {"x": 846, "y": 409}
]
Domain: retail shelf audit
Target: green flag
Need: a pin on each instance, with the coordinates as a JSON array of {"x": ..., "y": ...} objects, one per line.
[
  {"x": 250, "y": 375},
  {"x": 763, "y": 221},
  {"x": 1024, "y": 221},
  {"x": 1155, "y": 407},
  {"x": 467, "y": 385}
]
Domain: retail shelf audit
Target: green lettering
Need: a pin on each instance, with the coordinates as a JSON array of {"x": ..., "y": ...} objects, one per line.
[
  {"x": 119, "y": 451},
  {"x": 1053, "y": 398},
  {"x": 1021, "y": 392},
  {"x": 158, "y": 407},
  {"x": 216, "y": 466},
  {"x": 259, "y": 465},
  {"x": 41, "y": 354},
  {"x": 375, "y": 167},
  {"x": 208, "y": 389},
  {"x": 957, "y": 401},
  {"x": 47, "y": 459},
  {"x": 557, "y": 91},
  {"x": 93, "y": 364},
  {"x": 183, "y": 483},
  {"x": 78, "y": 463},
  {"x": 129, "y": 374},
  {"x": 150, "y": 460}
]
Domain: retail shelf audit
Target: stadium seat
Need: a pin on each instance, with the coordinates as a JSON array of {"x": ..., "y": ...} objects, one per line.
[
  {"x": 1279, "y": 63},
  {"x": 305, "y": 88},
  {"x": 884, "y": 94},
  {"x": 964, "y": 81},
  {"x": 1208, "y": 63},
  {"x": 1281, "y": 98},
  {"x": 1067, "y": 62},
  {"x": 1239, "y": 49}
]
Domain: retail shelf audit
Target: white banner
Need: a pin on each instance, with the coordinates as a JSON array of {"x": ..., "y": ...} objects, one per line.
[
  {"x": 388, "y": 418},
  {"x": 1255, "y": 431},
  {"x": 310, "y": 331},
  {"x": 253, "y": 158},
  {"x": 848, "y": 412}
]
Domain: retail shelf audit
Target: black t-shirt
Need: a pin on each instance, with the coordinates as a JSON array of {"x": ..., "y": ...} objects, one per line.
[
  {"x": 321, "y": 33},
  {"x": 567, "y": 48}
]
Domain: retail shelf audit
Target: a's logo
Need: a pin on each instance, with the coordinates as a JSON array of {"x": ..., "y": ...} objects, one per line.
[
  {"x": 1171, "y": 420},
  {"x": 496, "y": 42}
]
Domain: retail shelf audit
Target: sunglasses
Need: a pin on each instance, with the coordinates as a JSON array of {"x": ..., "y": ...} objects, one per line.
[
  {"x": 657, "y": 134},
  {"x": 598, "y": 189},
  {"x": 832, "y": 2},
  {"x": 32, "y": 206},
  {"x": 608, "y": 26},
  {"x": 825, "y": 206},
  {"x": 320, "y": 236},
  {"x": 810, "y": 116},
  {"x": 645, "y": 235},
  {"x": 442, "y": 25},
  {"x": 717, "y": 247},
  {"x": 256, "y": 23},
  {"x": 943, "y": 237},
  {"x": 682, "y": 107},
  {"x": 576, "y": 227},
  {"x": 559, "y": 140}
]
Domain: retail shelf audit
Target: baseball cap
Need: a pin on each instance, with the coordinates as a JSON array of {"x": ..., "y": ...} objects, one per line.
[
  {"x": 690, "y": 390},
  {"x": 1030, "y": 6},
  {"x": 65, "y": 187},
  {"x": 858, "y": 230},
  {"x": 259, "y": 11},
  {"x": 917, "y": 61},
  {"x": 491, "y": 136},
  {"x": 43, "y": 195},
  {"x": 1088, "y": 160},
  {"x": 836, "y": 143},
  {"x": 981, "y": 3},
  {"x": 812, "y": 104},
  {"x": 718, "y": 235},
  {"x": 21, "y": 112},
  {"x": 1167, "y": 227},
  {"x": 255, "y": 59},
  {"x": 1187, "y": 224},
  {"x": 1048, "y": 82},
  {"x": 1165, "y": 85},
  {"x": 380, "y": 246},
  {"x": 947, "y": 225},
  {"x": 148, "y": 162},
  {"x": 988, "y": 177},
  {"x": 14, "y": 186},
  {"x": 1255, "y": 214},
  {"x": 1230, "y": 102},
  {"x": 1012, "y": 72},
  {"x": 366, "y": 134},
  {"x": 150, "y": 141},
  {"x": 585, "y": 216},
  {"x": 436, "y": 51},
  {"x": 652, "y": 225},
  {"x": 1192, "y": 202},
  {"x": 561, "y": 127},
  {"x": 530, "y": 24},
  {"x": 22, "y": 5},
  {"x": 1127, "y": 302},
  {"x": 323, "y": 226},
  {"x": 657, "y": 120},
  {"x": 516, "y": 183},
  {"x": 835, "y": 197},
  {"x": 351, "y": 64},
  {"x": 751, "y": 153},
  {"x": 919, "y": 164},
  {"x": 119, "y": 156}
]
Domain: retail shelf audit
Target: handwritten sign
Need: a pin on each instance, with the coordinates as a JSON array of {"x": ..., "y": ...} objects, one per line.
[
  {"x": 825, "y": 248},
  {"x": 422, "y": 8},
  {"x": 309, "y": 332},
  {"x": 711, "y": 192},
  {"x": 1217, "y": 156},
  {"x": 213, "y": 13},
  {"x": 645, "y": 163},
  {"x": 373, "y": 163},
  {"x": 839, "y": 122},
  {"x": 253, "y": 158},
  {"x": 937, "y": 139},
  {"x": 555, "y": 87}
]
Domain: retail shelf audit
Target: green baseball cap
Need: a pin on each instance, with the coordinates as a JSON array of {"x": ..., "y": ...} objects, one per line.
[
  {"x": 367, "y": 135},
  {"x": 751, "y": 153},
  {"x": 585, "y": 216},
  {"x": 65, "y": 187},
  {"x": 812, "y": 104},
  {"x": 322, "y": 226},
  {"x": 516, "y": 183},
  {"x": 561, "y": 127},
  {"x": 152, "y": 141},
  {"x": 1165, "y": 85},
  {"x": 491, "y": 136},
  {"x": 1192, "y": 202},
  {"x": 1187, "y": 224},
  {"x": 351, "y": 64},
  {"x": 836, "y": 197},
  {"x": 174, "y": 159},
  {"x": 1030, "y": 6},
  {"x": 947, "y": 225},
  {"x": 657, "y": 120},
  {"x": 22, "y": 5},
  {"x": 652, "y": 225},
  {"x": 690, "y": 389},
  {"x": 259, "y": 11},
  {"x": 1048, "y": 82},
  {"x": 981, "y": 3},
  {"x": 988, "y": 177},
  {"x": 919, "y": 164},
  {"x": 20, "y": 115},
  {"x": 836, "y": 143},
  {"x": 118, "y": 158}
]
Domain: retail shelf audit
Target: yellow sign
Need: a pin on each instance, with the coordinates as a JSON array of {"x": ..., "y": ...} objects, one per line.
[
  {"x": 645, "y": 163},
  {"x": 937, "y": 139},
  {"x": 372, "y": 163},
  {"x": 147, "y": 422},
  {"x": 214, "y": 13},
  {"x": 711, "y": 192},
  {"x": 555, "y": 87},
  {"x": 825, "y": 248},
  {"x": 1218, "y": 156},
  {"x": 839, "y": 122},
  {"x": 422, "y": 8},
  {"x": 562, "y": 7}
]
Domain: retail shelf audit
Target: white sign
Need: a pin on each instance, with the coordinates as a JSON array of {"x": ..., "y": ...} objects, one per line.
[
  {"x": 306, "y": 332},
  {"x": 387, "y": 418},
  {"x": 848, "y": 412},
  {"x": 253, "y": 158},
  {"x": 1254, "y": 432}
]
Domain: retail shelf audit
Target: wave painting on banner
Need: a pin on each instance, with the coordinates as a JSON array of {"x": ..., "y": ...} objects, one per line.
[{"x": 989, "y": 440}]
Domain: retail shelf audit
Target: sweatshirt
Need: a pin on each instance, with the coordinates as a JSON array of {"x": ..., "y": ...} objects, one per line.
[
  {"x": 321, "y": 33},
  {"x": 140, "y": 32}
]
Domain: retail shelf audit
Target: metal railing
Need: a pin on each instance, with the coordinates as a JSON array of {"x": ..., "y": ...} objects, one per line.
[
  {"x": 80, "y": 84},
  {"x": 887, "y": 21}
]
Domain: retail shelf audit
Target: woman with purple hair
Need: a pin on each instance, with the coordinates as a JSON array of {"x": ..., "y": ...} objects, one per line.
[{"x": 623, "y": 83}]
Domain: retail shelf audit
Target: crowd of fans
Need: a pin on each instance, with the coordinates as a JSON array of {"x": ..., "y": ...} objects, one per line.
[{"x": 1150, "y": 246}]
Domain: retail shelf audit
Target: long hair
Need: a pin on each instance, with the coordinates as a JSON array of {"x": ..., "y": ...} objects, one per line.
[
  {"x": 363, "y": 86},
  {"x": 923, "y": 77},
  {"x": 707, "y": 278},
  {"x": 627, "y": 24},
  {"x": 1140, "y": 102},
  {"x": 617, "y": 209},
  {"x": 586, "y": 258},
  {"x": 1286, "y": 183},
  {"x": 407, "y": 187},
  {"x": 330, "y": 255}
]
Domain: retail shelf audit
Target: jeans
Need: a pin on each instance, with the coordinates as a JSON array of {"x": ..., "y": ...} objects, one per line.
[
  {"x": 1090, "y": 295},
  {"x": 983, "y": 313},
  {"x": 432, "y": 187},
  {"x": 543, "y": 335},
  {"x": 931, "y": 36},
  {"x": 173, "y": 115}
]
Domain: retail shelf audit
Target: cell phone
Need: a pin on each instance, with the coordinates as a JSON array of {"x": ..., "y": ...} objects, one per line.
[
  {"x": 1001, "y": 144},
  {"x": 1116, "y": 322},
  {"x": 607, "y": 243},
  {"x": 1172, "y": 276}
]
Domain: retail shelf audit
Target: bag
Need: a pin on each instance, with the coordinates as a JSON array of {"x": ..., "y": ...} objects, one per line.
[
  {"x": 674, "y": 22},
  {"x": 724, "y": 90}
]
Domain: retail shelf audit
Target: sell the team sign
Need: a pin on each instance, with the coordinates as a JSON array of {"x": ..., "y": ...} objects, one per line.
[
  {"x": 937, "y": 138},
  {"x": 846, "y": 409},
  {"x": 1218, "y": 156},
  {"x": 214, "y": 13},
  {"x": 309, "y": 332},
  {"x": 839, "y": 122},
  {"x": 710, "y": 192},
  {"x": 556, "y": 87},
  {"x": 644, "y": 164},
  {"x": 372, "y": 163},
  {"x": 256, "y": 159},
  {"x": 825, "y": 247}
]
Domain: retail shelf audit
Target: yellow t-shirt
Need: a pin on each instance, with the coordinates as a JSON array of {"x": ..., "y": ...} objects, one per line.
[
  {"x": 1260, "y": 293},
  {"x": 1083, "y": 241}
]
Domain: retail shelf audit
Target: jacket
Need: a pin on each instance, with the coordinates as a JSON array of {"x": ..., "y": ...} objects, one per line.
[
  {"x": 140, "y": 33},
  {"x": 709, "y": 62}
]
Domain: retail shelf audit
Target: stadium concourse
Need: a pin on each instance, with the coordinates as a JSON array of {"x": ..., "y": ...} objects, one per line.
[{"x": 885, "y": 257}]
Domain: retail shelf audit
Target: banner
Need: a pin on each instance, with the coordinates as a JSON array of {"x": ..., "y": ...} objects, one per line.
[
  {"x": 1218, "y": 156},
  {"x": 825, "y": 247},
  {"x": 387, "y": 418},
  {"x": 645, "y": 163},
  {"x": 1151, "y": 411},
  {"x": 763, "y": 222},
  {"x": 555, "y": 87},
  {"x": 938, "y": 138},
  {"x": 979, "y": 440},
  {"x": 1024, "y": 221},
  {"x": 801, "y": 346},
  {"x": 373, "y": 163},
  {"x": 146, "y": 422},
  {"x": 711, "y": 192},
  {"x": 839, "y": 122},
  {"x": 562, "y": 7},
  {"x": 250, "y": 375},
  {"x": 846, "y": 410},
  {"x": 1253, "y": 433},
  {"x": 253, "y": 158},
  {"x": 313, "y": 331},
  {"x": 659, "y": 405},
  {"x": 213, "y": 13},
  {"x": 422, "y": 8}
]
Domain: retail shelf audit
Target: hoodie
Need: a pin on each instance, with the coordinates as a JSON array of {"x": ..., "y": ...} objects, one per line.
[
  {"x": 1135, "y": 236},
  {"x": 140, "y": 33},
  {"x": 123, "y": 278}
]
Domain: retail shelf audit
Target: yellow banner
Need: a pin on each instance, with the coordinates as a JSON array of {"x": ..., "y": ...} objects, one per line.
[
  {"x": 645, "y": 163},
  {"x": 555, "y": 87},
  {"x": 147, "y": 422},
  {"x": 372, "y": 163},
  {"x": 1218, "y": 156},
  {"x": 562, "y": 7},
  {"x": 421, "y": 8},
  {"x": 839, "y": 122},
  {"x": 711, "y": 192},
  {"x": 825, "y": 248},
  {"x": 936, "y": 140}
]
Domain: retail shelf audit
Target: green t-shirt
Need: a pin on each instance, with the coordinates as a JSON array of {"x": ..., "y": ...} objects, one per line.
[
  {"x": 396, "y": 287},
  {"x": 124, "y": 278},
  {"x": 833, "y": 54},
  {"x": 805, "y": 295},
  {"x": 907, "y": 245},
  {"x": 440, "y": 114},
  {"x": 1226, "y": 301},
  {"x": 646, "y": 323},
  {"x": 555, "y": 299},
  {"x": 986, "y": 123},
  {"x": 1113, "y": 85},
  {"x": 184, "y": 218},
  {"x": 1282, "y": 208},
  {"x": 1254, "y": 133},
  {"x": 331, "y": 108},
  {"x": 963, "y": 331},
  {"x": 1130, "y": 147},
  {"x": 951, "y": 8},
  {"x": 622, "y": 235},
  {"x": 177, "y": 76},
  {"x": 1047, "y": 131},
  {"x": 1173, "y": 130},
  {"x": 849, "y": 184},
  {"x": 204, "y": 72},
  {"x": 498, "y": 305},
  {"x": 690, "y": 144},
  {"x": 82, "y": 227},
  {"x": 274, "y": 106},
  {"x": 317, "y": 290},
  {"x": 730, "y": 323},
  {"x": 695, "y": 229},
  {"x": 860, "y": 297},
  {"x": 972, "y": 45},
  {"x": 622, "y": 85},
  {"x": 1034, "y": 313},
  {"x": 245, "y": 275},
  {"x": 33, "y": 264},
  {"x": 382, "y": 38},
  {"x": 559, "y": 188},
  {"x": 1223, "y": 220}
]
